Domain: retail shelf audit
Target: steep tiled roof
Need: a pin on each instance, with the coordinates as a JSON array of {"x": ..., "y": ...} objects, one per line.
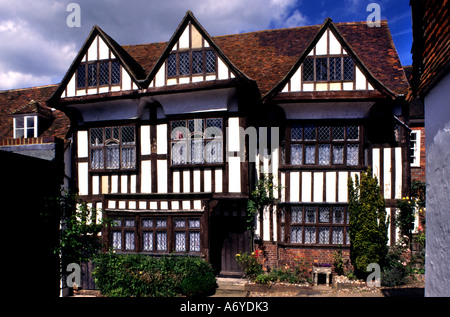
[
  {"x": 20, "y": 101},
  {"x": 267, "y": 56}
]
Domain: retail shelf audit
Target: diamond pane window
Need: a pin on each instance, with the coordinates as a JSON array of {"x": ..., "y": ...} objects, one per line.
[
  {"x": 184, "y": 67},
  {"x": 194, "y": 223},
  {"x": 324, "y": 133},
  {"x": 197, "y": 62},
  {"x": 296, "y": 154},
  {"x": 96, "y": 136},
  {"x": 348, "y": 68},
  {"x": 338, "y": 154},
  {"x": 321, "y": 69},
  {"x": 127, "y": 135},
  {"x": 308, "y": 69},
  {"x": 180, "y": 223},
  {"x": 310, "y": 214},
  {"x": 147, "y": 241},
  {"x": 296, "y": 234},
  {"x": 338, "y": 214},
  {"x": 129, "y": 222},
  {"x": 296, "y": 214},
  {"x": 194, "y": 241},
  {"x": 338, "y": 133},
  {"x": 324, "y": 154},
  {"x": 210, "y": 62},
  {"x": 337, "y": 235},
  {"x": 213, "y": 151},
  {"x": 81, "y": 76},
  {"x": 335, "y": 68},
  {"x": 310, "y": 133},
  {"x": 179, "y": 153},
  {"x": 180, "y": 241},
  {"x": 324, "y": 235},
  {"x": 104, "y": 73},
  {"x": 129, "y": 240},
  {"x": 115, "y": 72},
  {"x": 324, "y": 214},
  {"x": 172, "y": 65},
  {"x": 112, "y": 154},
  {"x": 197, "y": 151},
  {"x": 161, "y": 241},
  {"x": 310, "y": 154},
  {"x": 353, "y": 133},
  {"x": 179, "y": 131},
  {"x": 296, "y": 133},
  {"x": 97, "y": 158},
  {"x": 147, "y": 223},
  {"x": 161, "y": 223},
  {"x": 310, "y": 234},
  {"x": 92, "y": 74},
  {"x": 117, "y": 239},
  {"x": 352, "y": 154}
]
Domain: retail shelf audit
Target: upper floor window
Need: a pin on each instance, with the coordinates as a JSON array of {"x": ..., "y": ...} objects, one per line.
[
  {"x": 112, "y": 148},
  {"x": 197, "y": 141},
  {"x": 415, "y": 148},
  {"x": 190, "y": 63},
  {"x": 99, "y": 73},
  {"x": 25, "y": 127},
  {"x": 322, "y": 145},
  {"x": 340, "y": 68}
]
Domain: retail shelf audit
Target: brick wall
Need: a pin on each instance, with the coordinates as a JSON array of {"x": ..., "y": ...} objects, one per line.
[
  {"x": 26, "y": 141},
  {"x": 275, "y": 255}
]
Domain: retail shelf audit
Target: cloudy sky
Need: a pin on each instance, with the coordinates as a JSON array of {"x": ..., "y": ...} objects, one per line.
[{"x": 37, "y": 46}]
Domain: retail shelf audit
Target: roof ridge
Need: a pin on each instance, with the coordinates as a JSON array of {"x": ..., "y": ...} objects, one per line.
[{"x": 28, "y": 88}]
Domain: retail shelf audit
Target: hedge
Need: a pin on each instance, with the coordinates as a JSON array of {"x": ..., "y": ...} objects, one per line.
[{"x": 136, "y": 275}]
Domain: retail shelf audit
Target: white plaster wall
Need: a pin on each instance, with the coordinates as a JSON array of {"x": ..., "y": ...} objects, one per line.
[{"x": 437, "y": 140}]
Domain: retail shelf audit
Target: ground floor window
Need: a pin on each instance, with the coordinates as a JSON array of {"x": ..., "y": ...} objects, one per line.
[
  {"x": 314, "y": 224},
  {"x": 156, "y": 234}
]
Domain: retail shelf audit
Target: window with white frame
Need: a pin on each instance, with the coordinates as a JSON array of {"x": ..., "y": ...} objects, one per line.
[
  {"x": 415, "y": 148},
  {"x": 25, "y": 127}
]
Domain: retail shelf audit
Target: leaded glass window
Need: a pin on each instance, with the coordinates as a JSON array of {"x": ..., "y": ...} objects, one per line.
[
  {"x": 187, "y": 63},
  {"x": 194, "y": 241},
  {"x": 197, "y": 141},
  {"x": 129, "y": 240},
  {"x": 322, "y": 224},
  {"x": 332, "y": 68},
  {"x": 323, "y": 145},
  {"x": 296, "y": 234},
  {"x": 147, "y": 241},
  {"x": 161, "y": 241},
  {"x": 112, "y": 148},
  {"x": 100, "y": 73},
  {"x": 308, "y": 69},
  {"x": 324, "y": 235},
  {"x": 180, "y": 241},
  {"x": 117, "y": 240}
]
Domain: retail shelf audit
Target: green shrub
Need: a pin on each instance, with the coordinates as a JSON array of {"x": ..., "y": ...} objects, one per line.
[
  {"x": 395, "y": 271},
  {"x": 135, "y": 275},
  {"x": 249, "y": 263}
]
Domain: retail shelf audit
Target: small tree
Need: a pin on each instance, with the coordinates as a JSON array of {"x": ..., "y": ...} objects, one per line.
[
  {"x": 368, "y": 223},
  {"x": 260, "y": 198},
  {"x": 78, "y": 235}
]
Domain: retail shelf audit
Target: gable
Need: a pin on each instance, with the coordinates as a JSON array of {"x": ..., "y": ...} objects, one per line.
[
  {"x": 328, "y": 66},
  {"x": 191, "y": 57},
  {"x": 103, "y": 72}
]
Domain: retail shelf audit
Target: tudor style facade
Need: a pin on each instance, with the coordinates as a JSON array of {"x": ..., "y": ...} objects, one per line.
[{"x": 164, "y": 136}]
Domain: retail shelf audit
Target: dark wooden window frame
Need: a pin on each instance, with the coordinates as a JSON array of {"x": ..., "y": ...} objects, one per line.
[
  {"x": 285, "y": 224},
  {"x": 97, "y": 64},
  {"x": 177, "y": 53},
  {"x": 341, "y": 80},
  {"x": 121, "y": 146},
  {"x": 205, "y": 141},
  {"x": 170, "y": 229},
  {"x": 288, "y": 142}
]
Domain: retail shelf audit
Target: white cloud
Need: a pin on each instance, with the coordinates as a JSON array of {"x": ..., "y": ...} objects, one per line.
[{"x": 37, "y": 47}]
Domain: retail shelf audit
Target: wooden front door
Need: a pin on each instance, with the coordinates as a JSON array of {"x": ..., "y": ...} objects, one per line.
[{"x": 229, "y": 236}]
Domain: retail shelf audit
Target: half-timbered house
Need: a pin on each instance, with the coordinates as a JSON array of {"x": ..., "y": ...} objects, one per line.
[{"x": 165, "y": 134}]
